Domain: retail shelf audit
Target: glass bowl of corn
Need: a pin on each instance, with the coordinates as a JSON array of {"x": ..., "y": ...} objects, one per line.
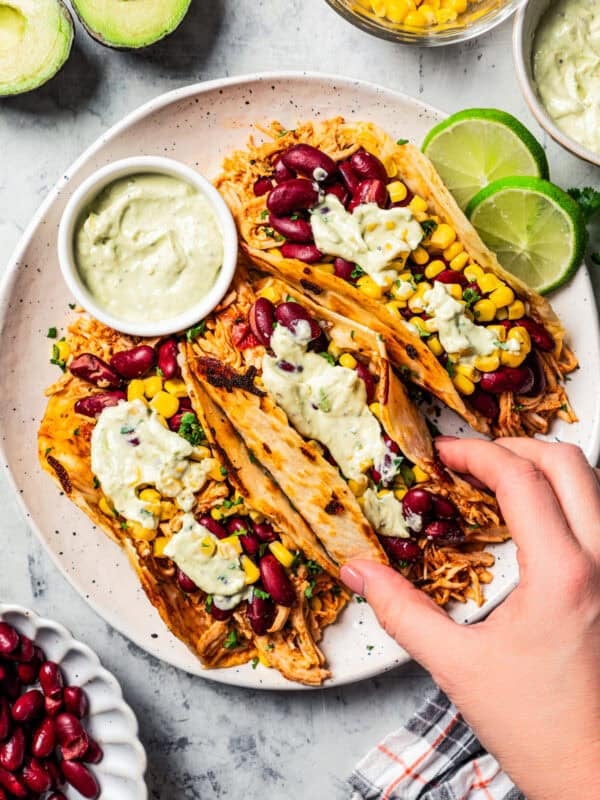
[{"x": 428, "y": 23}]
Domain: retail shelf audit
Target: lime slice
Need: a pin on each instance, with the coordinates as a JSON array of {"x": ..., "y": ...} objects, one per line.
[
  {"x": 537, "y": 231},
  {"x": 480, "y": 145}
]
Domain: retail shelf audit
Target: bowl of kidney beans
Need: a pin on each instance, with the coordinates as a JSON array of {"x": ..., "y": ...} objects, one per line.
[{"x": 65, "y": 731}]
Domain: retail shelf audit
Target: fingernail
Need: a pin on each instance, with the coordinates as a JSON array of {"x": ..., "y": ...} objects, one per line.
[
  {"x": 353, "y": 580},
  {"x": 446, "y": 438}
]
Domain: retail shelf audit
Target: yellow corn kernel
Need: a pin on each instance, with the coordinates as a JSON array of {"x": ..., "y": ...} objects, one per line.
[
  {"x": 281, "y": 553},
  {"x": 397, "y": 191},
  {"x": 375, "y": 409},
  {"x": 216, "y": 513},
  {"x": 208, "y": 546},
  {"x": 325, "y": 266},
  {"x": 357, "y": 487},
  {"x": 473, "y": 272},
  {"x": 445, "y": 15},
  {"x": 428, "y": 12},
  {"x": 442, "y": 237},
  {"x": 434, "y": 268},
  {"x": 521, "y": 335},
  {"x": 402, "y": 289},
  {"x": 165, "y": 404},
  {"x": 516, "y": 309},
  {"x": 452, "y": 251},
  {"x": 463, "y": 384},
  {"x": 274, "y": 251},
  {"x": 420, "y": 325},
  {"x": 435, "y": 345},
  {"x": 484, "y": 310},
  {"x": 459, "y": 262},
  {"x": 391, "y": 167},
  {"x": 383, "y": 493},
  {"x": 398, "y": 9},
  {"x": 379, "y": 7},
  {"x": 61, "y": 350},
  {"x": 316, "y": 603},
  {"x": 161, "y": 420},
  {"x": 136, "y": 390},
  {"x": 251, "y": 571},
  {"x": 348, "y": 360},
  {"x": 158, "y": 547},
  {"x": 153, "y": 386},
  {"x": 414, "y": 19},
  {"x": 270, "y": 293},
  {"x": 257, "y": 517},
  {"x": 399, "y": 493},
  {"x": 394, "y": 307},
  {"x": 455, "y": 290},
  {"x": 176, "y": 387},
  {"x": 460, "y": 6},
  {"x": 499, "y": 331},
  {"x": 420, "y": 256},
  {"x": 231, "y": 541},
  {"x": 468, "y": 371},
  {"x": 488, "y": 363},
  {"x": 149, "y": 496},
  {"x": 417, "y": 204},
  {"x": 105, "y": 507},
  {"x": 367, "y": 286},
  {"x": 201, "y": 453},
  {"x": 488, "y": 282},
  {"x": 501, "y": 314},
  {"x": 141, "y": 534},
  {"x": 366, "y": 465},
  {"x": 420, "y": 475},
  {"x": 502, "y": 297},
  {"x": 263, "y": 659},
  {"x": 333, "y": 349},
  {"x": 215, "y": 473},
  {"x": 167, "y": 510},
  {"x": 512, "y": 359}
]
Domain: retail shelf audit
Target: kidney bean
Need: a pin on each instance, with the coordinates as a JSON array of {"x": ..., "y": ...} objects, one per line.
[
  {"x": 265, "y": 532},
  {"x": 94, "y": 370},
  {"x": 444, "y": 529},
  {"x": 135, "y": 362},
  {"x": 94, "y": 754},
  {"x": 71, "y": 736},
  {"x": 365, "y": 375},
  {"x": 220, "y": 614},
  {"x": 5, "y": 719},
  {"x": 280, "y": 172},
  {"x": 262, "y": 186},
  {"x": 57, "y": 796},
  {"x": 27, "y": 673},
  {"x": 28, "y": 706},
  {"x": 262, "y": 320},
  {"x": 339, "y": 190},
  {"x": 369, "y": 191},
  {"x": 391, "y": 445},
  {"x": 486, "y": 404},
  {"x": 53, "y": 705},
  {"x": 307, "y": 160},
  {"x": 11, "y": 683},
  {"x": 53, "y": 771},
  {"x": 12, "y": 751},
  {"x": 80, "y": 778},
  {"x": 367, "y": 166},
  {"x": 275, "y": 581},
  {"x": 51, "y": 679},
  {"x": 76, "y": 701},
  {"x": 349, "y": 177},
  {"x": 443, "y": 508},
  {"x": 293, "y": 195},
  {"x": 400, "y": 549},
  {"x": 94, "y": 404},
  {"x": 4, "y": 796},
  {"x": 539, "y": 377},
  {"x": 167, "y": 359},
  {"x": 450, "y": 276},
  {"x": 13, "y": 784},
  {"x": 35, "y": 776},
  {"x": 416, "y": 507},
  {"x": 507, "y": 379},
  {"x": 289, "y": 314},
  {"x": 309, "y": 253},
  {"x": 44, "y": 739},
  {"x": 249, "y": 541},
  {"x": 25, "y": 651},
  {"x": 344, "y": 269},
  {"x": 186, "y": 584},
  {"x": 296, "y": 230},
  {"x": 540, "y": 337},
  {"x": 213, "y": 526},
  {"x": 9, "y": 638},
  {"x": 185, "y": 403},
  {"x": 174, "y": 422},
  {"x": 261, "y": 614}
]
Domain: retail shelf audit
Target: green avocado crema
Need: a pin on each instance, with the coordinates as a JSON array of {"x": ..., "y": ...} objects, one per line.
[{"x": 148, "y": 247}]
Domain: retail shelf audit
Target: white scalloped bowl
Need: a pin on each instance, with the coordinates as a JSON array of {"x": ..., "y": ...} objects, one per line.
[{"x": 110, "y": 721}]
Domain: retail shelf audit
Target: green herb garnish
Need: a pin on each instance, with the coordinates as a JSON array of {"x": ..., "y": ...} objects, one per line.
[
  {"x": 428, "y": 225},
  {"x": 56, "y": 359},
  {"x": 254, "y": 662},
  {"x": 223, "y": 470},
  {"x": 264, "y": 213},
  {"x": 52, "y": 333},
  {"x": 357, "y": 272},
  {"x": 308, "y": 592},
  {"x": 360, "y": 599},
  {"x": 261, "y": 594},
  {"x": 195, "y": 331},
  {"x": 401, "y": 141},
  {"x": 324, "y": 401},
  {"x": 231, "y": 640},
  {"x": 329, "y": 358},
  {"x": 96, "y": 483},
  {"x": 76, "y": 432},
  {"x": 450, "y": 367},
  {"x": 471, "y": 296},
  {"x": 208, "y": 603},
  {"x": 588, "y": 200},
  {"x": 190, "y": 429}
]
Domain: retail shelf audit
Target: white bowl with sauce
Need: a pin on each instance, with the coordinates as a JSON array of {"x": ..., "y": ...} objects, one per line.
[
  {"x": 526, "y": 25},
  {"x": 147, "y": 246}
]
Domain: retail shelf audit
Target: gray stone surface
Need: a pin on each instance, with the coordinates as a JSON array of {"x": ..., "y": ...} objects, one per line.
[{"x": 204, "y": 740}]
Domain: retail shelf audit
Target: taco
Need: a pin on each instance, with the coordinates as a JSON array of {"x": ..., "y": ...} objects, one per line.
[
  {"x": 232, "y": 568},
  {"x": 316, "y": 402},
  {"x": 367, "y": 228}
]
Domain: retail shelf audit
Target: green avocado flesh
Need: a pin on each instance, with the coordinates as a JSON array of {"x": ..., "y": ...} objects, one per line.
[
  {"x": 130, "y": 23},
  {"x": 35, "y": 41}
]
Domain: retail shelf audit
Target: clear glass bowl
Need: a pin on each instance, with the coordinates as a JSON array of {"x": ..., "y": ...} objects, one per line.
[{"x": 480, "y": 16}]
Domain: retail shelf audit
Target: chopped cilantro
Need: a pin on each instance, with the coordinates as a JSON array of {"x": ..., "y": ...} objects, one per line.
[
  {"x": 428, "y": 225},
  {"x": 370, "y": 647},
  {"x": 473, "y": 526},
  {"x": 126, "y": 429},
  {"x": 324, "y": 401},
  {"x": 96, "y": 483},
  {"x": 252, "y": 457},
  {"x": 263, "y": 547},
  {"x": 255, "y": 662},
  {"x": 52, "y": 333},
  {"x": 336, "y": 590},
  {"x": 407, "y": 474},
  {"x": 195, "y": 331},
  {"x": 270, "y": 646},
  {"x": 352, "y": 334},
  {"x": 588, "y": 200},
  {"x": 401, "y": 141},
  {"x": 208, "y": 603},
  {"x": 295, "y": 216},
  {"x": 123, "y": 524},
  {"x": 519, "y": 406},
  {"x": 471, "y": 296},
  {"x": 360, "y": 599},
  {"x": 418, "y": 276},
  {"x": 308, "y": 592},
  {"x": 450, "y": 367},
  {"x": 71, "y": 306},
  {"x": 313, "y": 567},
  {"x": 564, "y": 407},
  {"x": 231, "y": 640},
  {"x": 261, "y": 594},
  {"x": 595, "y": 258},
  {"x": 264, "y": 213},
  {"x": 296, "y": 561},
  {"x": 401, "y": 563},
  {"x": 48, "y": 450},
  {"x": 190, "y": 429},
  {"x": 328, "y": 357},
  {"x": 160, "y": 373},
  {"x": 283, "y": 133},
  {"x": 76, "y": 432},
  {"x": 290, "y": 299},
  {"x": 357, "y": 272},
  {"x": 223, "y": 470},
  {"x": 56, "y": 359}
]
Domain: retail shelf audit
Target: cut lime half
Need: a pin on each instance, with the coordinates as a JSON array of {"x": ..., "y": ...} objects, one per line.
[
  {"x": 480, "y": 145},
  {"x": 537, "y": 231}
]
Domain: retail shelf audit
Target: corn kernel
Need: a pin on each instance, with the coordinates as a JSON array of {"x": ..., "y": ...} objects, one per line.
[
  {"x": 417, "y": 204},
  {"x": 348, "y": 360},
  {"x": 391, "y": 167},
  {"x": 61, "y": 350},
  {"x": 325, "y": 266},
  {"x": 367, "y": 286},
  {"x": 282, "y": 554},
  {"x": 501, "y": 314},
  {"x": 176, "y": 387},
  {"x": 473, "y": 272},
  {"x": 414, "y": 19},
  {"x": 251, "y": 571},
  {"x": 460, "y": 6},
  {"x": 161, "y": 420},
  {"x": 231, "y": 541},
  {"x": 420, "y": 256},
  {"x": 397, "y": 191},
  {"x": 153, "y": 386},
  {"x": 489, "y": 363},
  {"x": 333, "y": 349},
  {"x": 435, "y": 345},
  {"x": 149, "y": 496},
  {"x": 463, "y": 384},
  {"x": 516, "y": 309},
  {"x": 452, "y": 251},
  {"x": 399, "y": 493},
  {"x": 379, "y": 7},
  {"x": 316, "y": 604},
  {"x": 158, "y": 547},
  {"x": 502, "y": 296},
  {"x": 427, "y": 11},
  {"x": 434, "y": 268},
  {"x": 216, "y": 513},
  {"x": 105, "y": 507},
  {"x": 366, "y": 465},
  {"x": 263, "y": 659},
  {"x": 484, "y": 310},
  {"x": 208, "y": 546},
  {"x": 445, "y": 15},
  {"x": 256, "y": 517},
  {"x": 455, "y": 290},
  {"x": 521, "y": 335},
  {"x": 488, "y": 282},
  {"x": 442, "y": 237},
  {"x": 512, "y": 359},
  {"x": 357, "y": 487},
  {"x": 141, "y": 534},
  {"x": 459, "y": 262},
  {"x": 167, "y": 510},
  {"x": 136, "y": 390},
  {"x": 402, "y": 289},
  {"x": 375, "y": 409},
  {"x": 270, "y": 293},
  {"x": 201, "y": 452},
  {"x": 420, "y": 325},
  {"x": 499, "y": 331},
  {"x": 420, "y": 475},
  {"x": 165, "y": 404},
  {"x": 383, "y": 493},
  {"x": 468, "y": 371},
  {"x": 394, "y": 307},
  {"x": 398, "y": 9},
  {"x": 274, "y": 251}
]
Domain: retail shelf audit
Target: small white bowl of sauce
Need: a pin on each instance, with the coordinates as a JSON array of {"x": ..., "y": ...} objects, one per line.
[
  {"x": 147, "y": 246},
  {"x": 558, "y": 68}
]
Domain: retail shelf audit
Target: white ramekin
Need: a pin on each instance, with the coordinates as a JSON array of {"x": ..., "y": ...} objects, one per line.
[
  {"x": 90, "y": 188},
  {"x": 525, "y": 26}
]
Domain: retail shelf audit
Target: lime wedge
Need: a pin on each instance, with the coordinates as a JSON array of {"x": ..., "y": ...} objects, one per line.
[
  {"x": 480, "y": 145},
  {"x": 537, "y": 231}
]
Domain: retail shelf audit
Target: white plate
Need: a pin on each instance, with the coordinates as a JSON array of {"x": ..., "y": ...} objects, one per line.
[
  {"x": 111, "y": 721},
  {"x": 199, "y": 125}
]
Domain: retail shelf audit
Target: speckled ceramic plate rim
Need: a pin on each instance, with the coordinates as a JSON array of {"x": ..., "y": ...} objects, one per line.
[{"x": 374, "y": 658}]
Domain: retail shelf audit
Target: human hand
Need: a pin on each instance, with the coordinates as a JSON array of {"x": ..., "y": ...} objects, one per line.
[{"x": 527, "y": 678}]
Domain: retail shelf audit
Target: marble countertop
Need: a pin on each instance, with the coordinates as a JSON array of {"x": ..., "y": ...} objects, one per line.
[{"x": 205, "y": 740}]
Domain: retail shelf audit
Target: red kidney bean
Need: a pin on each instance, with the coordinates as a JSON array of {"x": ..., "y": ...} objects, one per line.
[
  {"x": 391, "y": 445},
  {"x": 9, "y": 638},
  {"x": 43, "y": 741},
  {"x": 262, "y": 320},
  {"x": 13, "y": 784},
  {"x": 174, "y": 422},
  {"x": 35, "y": 776},
  {"x": 293, "y": 195},
  {"x": 5, "y": 719},
  {"x": 309, "y": 161},
  {"x": 135, "y": 362},
  {"x": 71, "y": 735},
  {"x": 185, "y": 403},
  {"x": 416, "y": 507},
  {"x": 80, "y": 778},
  {"x": 248, "y": 540},
  {"x": 369, "y": 191},
  {"x": 262, "y": 186},
  {"x": 450, "y": 276},
  {"x": 11, "y": 683},
  {"x": 53, "y": 705},
  {"x": 339, "y": 190},
  {"x": 25, "y": 652},
  {"x": 12, "y": 751},
  {"x": 289, "y": 314},
  {"x": 296, "y": 230},
  {"x": 275, "y": 581},
  {"x": 485, "y": 403},
  {"x": 508, "y": 379},
  {"x": 261, "y": 614},
  {"x": 400, "y": 549},
  {"x": 280, "y": 172},
  {"x": 94, "y": 370},
  {"x": 27, "y": 673},
  {"x": 539, "y": 377},
  {"x": 366, "y": 166},
  {"x": 220, "y": 614},
  {"x": 540, "y": 337},
  {"x": 57, "y": 796},
  {"x": 265, "y": 532},
  {"x": 28, "y": 706},
  {"x": 251, "y": 543},
  {"x": 94, "y": 404},
  {"x": 167, "y": 359},
  {"x": 4, "y": 796},
  {"x": 365, "y": 375},
  {"x": 76, "y": 701},
  {"x": 444, "y": 529},
  {"x": 309, "y": 253},
  {"x": 213, "y": 526},
  {"x": 443, "y": 508},
  {"x": 349, "y": 177},
  {"x": 94, "y": 754},
  {"x": 51, "y": 767},
  {"x": 51, "y": 679},
  {"x": 186, "y": 584},
  {"x": 344, "y": 269}
]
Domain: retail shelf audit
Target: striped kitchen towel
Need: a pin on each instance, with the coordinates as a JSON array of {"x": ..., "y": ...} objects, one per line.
[{"x": 435, "y": 756}]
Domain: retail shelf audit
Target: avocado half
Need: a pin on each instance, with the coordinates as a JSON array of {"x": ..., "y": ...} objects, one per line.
[
  {"x": 35, "y": 41},
  {"x": 130, "y": 23}
]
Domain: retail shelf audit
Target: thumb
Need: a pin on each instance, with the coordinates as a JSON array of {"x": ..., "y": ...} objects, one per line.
[{"x": 407, "y": 614}]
